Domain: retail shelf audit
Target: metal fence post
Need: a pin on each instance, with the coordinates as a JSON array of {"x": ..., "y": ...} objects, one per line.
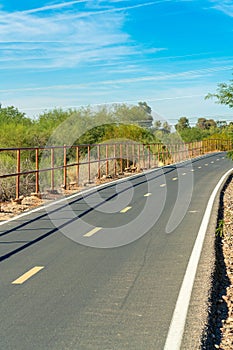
[
  {"x": 148, "y": 149},
  {"x": 64, "y": 168},
  {"x": 89, "y": 164},
  {"x": 121, "y": 160},
  {"x": 114, "y": 156},
  {"x": 37, "y": 170},
  {"x": 106, "y": 156},
  {"x": 139, "y": 157},
  {"x": 77, "y": 165},
  {"x": 98, "y": 155},
  {"x": 18, "y": 176},
  {"x": 143, "y": 149},
  {"x": 127, "y": 155},
  {"x": 52, "y": 171}
]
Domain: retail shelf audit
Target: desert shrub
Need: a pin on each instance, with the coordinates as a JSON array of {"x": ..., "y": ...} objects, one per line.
[{"x": 7, "y": 185}]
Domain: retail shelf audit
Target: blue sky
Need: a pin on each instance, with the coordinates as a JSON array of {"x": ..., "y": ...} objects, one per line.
[{"x": 170, "y": 53}]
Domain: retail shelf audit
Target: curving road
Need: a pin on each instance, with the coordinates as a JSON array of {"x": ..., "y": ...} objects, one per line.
[{"x": 102, "y": 270}]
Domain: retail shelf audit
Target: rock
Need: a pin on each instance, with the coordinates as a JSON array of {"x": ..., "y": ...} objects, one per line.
[
  {"x": 31, "y": 201},
  {"x": 38, "y": 195}
]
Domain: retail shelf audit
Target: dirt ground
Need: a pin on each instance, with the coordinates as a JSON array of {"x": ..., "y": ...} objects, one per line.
[
  {"x": 9, "y": 209},
  {"x": 226, "y": 232}
]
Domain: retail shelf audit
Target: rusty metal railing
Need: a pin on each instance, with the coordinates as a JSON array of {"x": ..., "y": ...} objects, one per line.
[{"x": 59, "y": 166}]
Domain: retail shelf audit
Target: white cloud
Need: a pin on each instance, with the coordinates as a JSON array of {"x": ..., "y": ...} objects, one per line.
[
  {"x": 173, "y": 77},
  {"x": 72, "y": 36},
  {"x": 34, "y": 38},
  {"x": 225, "y": 6},
  {"x": 53, "y": 7},
  {"x": 65, "y": 38}
]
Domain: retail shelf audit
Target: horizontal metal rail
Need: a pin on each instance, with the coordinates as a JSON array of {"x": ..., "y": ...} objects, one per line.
[{"x": 99, "y": 159}]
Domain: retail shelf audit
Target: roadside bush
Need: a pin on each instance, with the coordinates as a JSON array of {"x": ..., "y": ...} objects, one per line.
[{"x": 7, "y": 185}]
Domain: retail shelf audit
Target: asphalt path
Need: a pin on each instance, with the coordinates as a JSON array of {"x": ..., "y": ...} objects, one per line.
[{"x": 104, "y": 268}]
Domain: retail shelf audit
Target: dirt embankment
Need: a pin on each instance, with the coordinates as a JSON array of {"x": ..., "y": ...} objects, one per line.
[
  {"x": 225, "y": 230},
  {"x": 218, "y": 333}
]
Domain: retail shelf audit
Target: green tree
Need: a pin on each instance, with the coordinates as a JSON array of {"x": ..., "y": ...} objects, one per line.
[
  {"x": 205, "y": 124},
  {"x": 15, "y": 128},
  {"x": 145, "y": 106},
  {"x": 157, "y": 124},
  {"x": 224, "y": 94},
  {"x": 129, "y": 132},
  {"x": 221, "y": 124},
  {"x": 201, "y": 123},
  {"x": 211, "y": 123},
  {"x": 13, "y": 115},
  {"x": 166, "y": 128},
  {"x": 147, "y": 123},
  {"x": 183, "y": 123},
  {"x": 103, "y": 115},
  {"x": 193, "y": 134},
  {"x": 133, "y": 114}
]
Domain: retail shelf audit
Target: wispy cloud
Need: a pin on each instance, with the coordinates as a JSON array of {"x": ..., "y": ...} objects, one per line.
[
  {"x": 191, "y": 75},
  {"x": 225, "y": 6},
  {"x": 71, "y": 37},
  {"x": 87, "y": 51},
  {"x": 116, "y": 9},
  {"x": 93, "y": 4},
  {"x": 53, "y": 7},
  {"x": 81, "y": 39}
]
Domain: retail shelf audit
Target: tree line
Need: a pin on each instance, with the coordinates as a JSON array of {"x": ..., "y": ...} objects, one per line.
[
  {"x": 96, "y": 125},
  {"x": 204, "y": 129},
  {"x": 118, "y": 121}
]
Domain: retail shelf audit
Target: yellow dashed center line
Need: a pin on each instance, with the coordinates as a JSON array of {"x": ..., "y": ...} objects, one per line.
[
  {"x": 147, "y": 194},
  {"x": 28, "y": 275},
  {"x": 163, "y": 185},
  {"x": 92, "y": 232},
  {"x": 174, "y": 178},
  {"x": 125, "y": 210}
]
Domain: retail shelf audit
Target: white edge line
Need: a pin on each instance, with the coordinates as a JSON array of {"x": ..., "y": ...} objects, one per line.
[
  {"x": 41, "y": 207},
  {"x": 176, "y": 329}
]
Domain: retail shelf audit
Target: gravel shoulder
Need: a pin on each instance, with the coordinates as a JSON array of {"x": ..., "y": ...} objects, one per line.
[
  {"x": 209, "y": 322},
  {"x": 226, "y": 245}
]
